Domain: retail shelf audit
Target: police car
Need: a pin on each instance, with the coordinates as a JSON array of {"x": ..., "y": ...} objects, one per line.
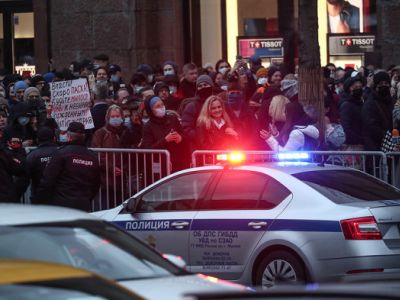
[{"x": 264, "y": 223}]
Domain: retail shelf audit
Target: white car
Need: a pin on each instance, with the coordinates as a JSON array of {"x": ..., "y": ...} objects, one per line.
[
  {"x": 71, "y": 237},
  {"x": 259, "y": 224}
]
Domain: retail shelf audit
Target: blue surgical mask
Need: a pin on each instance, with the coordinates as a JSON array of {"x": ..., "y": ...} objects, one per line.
[
  {"x": 169, "y": 72},
  {"x": 23, "y": 120},
  {"x": 223, "y": 70},
  {"x": 262, "y": 80},
  {"x": 159, "y": 112},
  {"x": 63, "y": 138},
  {"x": 172, "y": 89},
  {"x": 115, "y": 122},
  {"x": 114, "y": 78},
  {"x": 127, "y": 120}
]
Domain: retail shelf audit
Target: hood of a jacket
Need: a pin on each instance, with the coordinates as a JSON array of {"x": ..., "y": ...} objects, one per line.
[{"x": 310, "y": 130}]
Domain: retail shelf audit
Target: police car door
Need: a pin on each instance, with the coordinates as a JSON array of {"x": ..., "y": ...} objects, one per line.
[
  {"x": 232, "y": 221},
  {"x": 164, "y": 214}
]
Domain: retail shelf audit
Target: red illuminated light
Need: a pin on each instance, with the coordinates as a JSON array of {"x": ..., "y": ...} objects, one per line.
[{"x": 235, "y": 157}]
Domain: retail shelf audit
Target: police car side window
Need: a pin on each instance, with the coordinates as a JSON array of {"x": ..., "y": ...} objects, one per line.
[
  {"x": 273, "y": 194},
  {"x": 175, "y": 195},
  {"x": 237, "y": 190}
]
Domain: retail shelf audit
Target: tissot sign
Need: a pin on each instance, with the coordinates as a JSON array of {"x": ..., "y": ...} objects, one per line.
[
  {"x": 351, "y": 44},
  {"x": 260, "y": 46}
]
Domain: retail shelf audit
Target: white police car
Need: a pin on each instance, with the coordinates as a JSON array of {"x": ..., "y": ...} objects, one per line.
[{"x": 265, "y": 223}]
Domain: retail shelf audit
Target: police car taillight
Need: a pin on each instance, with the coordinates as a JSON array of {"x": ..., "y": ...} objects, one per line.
[
  {"x": 364, "y": 228},
  {"x": 231, "y": 157}
]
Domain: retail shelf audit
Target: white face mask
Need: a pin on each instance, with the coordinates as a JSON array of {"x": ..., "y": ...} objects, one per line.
[
  {"x": 150, "y": 78},
  {"x": 159, "y": 112},
  {"x": 169, "y": 72},
  {"x": 145, "y": 120},
  {"x": 137, "y": 89},
  {"x": 224, "y": 87},
  {"x": 172, "y": 89},
  {"x": 262, "y": 80},
  {"x": 223, "y": 70}
]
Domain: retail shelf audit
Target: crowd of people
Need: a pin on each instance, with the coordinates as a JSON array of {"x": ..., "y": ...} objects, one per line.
[{"x": 210, "y": 107}]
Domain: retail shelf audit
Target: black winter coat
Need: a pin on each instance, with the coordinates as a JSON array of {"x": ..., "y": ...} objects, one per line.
[
  {"x": 71, "y": 179},
  {"x": 190, "y": 113},
  {"x": 36, "y": 162},
  {"x": 351, "y": 120},
  {"x": 11, "y": 164},
  {"x": 154, "y": 133},
  {"x": 377, "y": 119}
]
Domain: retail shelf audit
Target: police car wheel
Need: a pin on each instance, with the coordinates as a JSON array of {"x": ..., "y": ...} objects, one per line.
[{"x": 279, "y": 267}]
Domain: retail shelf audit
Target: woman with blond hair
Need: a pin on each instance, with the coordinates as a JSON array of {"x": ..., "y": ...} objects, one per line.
[
  {"x": 277, "y": 111},
  {"x": 215, "y": 129}
]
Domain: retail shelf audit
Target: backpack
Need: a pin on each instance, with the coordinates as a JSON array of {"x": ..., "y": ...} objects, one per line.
[{"x": 335, "y": 136}]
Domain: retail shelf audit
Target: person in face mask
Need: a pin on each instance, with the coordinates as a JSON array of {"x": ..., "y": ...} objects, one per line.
[
  {"x": 377, "y": 112},
  {"x": 148, "y": 71},
  {"x": 110, "y": 136},
  {"x": 223, "y": 67},
  {"x": 170, "y": 68},
  {"x": 262, "y": 85},
  {"x": 12, "y": 163},
  {"x": 163, "y": 131},
  {"x": 20, "y": 125},
  {"x": 350, "y": 111}
]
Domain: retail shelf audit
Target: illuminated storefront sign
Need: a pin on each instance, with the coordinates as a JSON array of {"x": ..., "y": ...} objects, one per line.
[
  {"x": 351, "y": 44},
  {"x": 248, "y": 47},
  {"x": 25, "y": 69}
]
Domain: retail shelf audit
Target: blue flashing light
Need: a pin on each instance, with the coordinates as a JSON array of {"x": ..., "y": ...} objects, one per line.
[
  {"x": 293, "y": 156},
  {"x": 292, "y": 163}
]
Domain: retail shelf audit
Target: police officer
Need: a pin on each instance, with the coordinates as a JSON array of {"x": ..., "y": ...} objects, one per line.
[
  {"x": 38, "y": 159},
  {"x": 12, "y": 163},
  {"x": 72, "y": 178}
]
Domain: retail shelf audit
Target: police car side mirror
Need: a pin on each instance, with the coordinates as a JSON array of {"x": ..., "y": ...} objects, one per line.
[{"x": 131, "y": 205}]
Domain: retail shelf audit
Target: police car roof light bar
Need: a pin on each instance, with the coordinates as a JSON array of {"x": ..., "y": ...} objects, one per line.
[{"x": 293, "y": 156}]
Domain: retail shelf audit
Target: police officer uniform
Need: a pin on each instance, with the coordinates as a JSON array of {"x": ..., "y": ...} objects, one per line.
[
  {"x": 38, "y": 159},
  {"x": 72, "y": 178},
  {"x": 11, "y": 164}
]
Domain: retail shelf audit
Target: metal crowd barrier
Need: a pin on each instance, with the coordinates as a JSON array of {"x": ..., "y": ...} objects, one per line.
[
  {"x": 371, "y": 162},
  {"x": 123, "y": 173},
  {"x": 137, "y": 168}
]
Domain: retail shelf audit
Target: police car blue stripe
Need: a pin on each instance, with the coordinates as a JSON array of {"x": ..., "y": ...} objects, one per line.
[
  {"x": 305, "y": 225},
  {"x": 232, "y": 224}
]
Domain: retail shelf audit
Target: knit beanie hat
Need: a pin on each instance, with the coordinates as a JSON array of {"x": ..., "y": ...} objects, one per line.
[
  {"x": 153, "y": 101},
  {"x": 204, "y": 78},
  {"x": 20, "y": 85},
  {"x": 28, "y": 91},
  {"x": 262, "y": 72}
]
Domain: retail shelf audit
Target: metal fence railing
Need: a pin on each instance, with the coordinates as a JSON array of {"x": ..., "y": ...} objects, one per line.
[
  {"x": 372, "y": 162},
  {"x": 126, "y": 171},
  {"x": 123, "y": 173}
]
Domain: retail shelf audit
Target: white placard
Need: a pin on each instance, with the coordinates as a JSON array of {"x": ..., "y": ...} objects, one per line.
[{"x": 71, "y": 102}]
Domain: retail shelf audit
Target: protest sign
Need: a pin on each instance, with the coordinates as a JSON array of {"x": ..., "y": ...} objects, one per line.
[{"x": 71, "y": 102}]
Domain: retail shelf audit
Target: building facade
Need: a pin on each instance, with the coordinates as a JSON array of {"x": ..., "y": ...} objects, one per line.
[{"x": 50, "y": 34}]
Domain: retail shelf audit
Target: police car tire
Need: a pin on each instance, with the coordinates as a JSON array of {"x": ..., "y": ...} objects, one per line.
[{"x": 280, "y": 259}]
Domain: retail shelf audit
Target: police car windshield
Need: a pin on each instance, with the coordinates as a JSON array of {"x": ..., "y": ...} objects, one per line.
[
  {"x": 348, "y": 186},
  {"x": 93, "y": 245}
]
